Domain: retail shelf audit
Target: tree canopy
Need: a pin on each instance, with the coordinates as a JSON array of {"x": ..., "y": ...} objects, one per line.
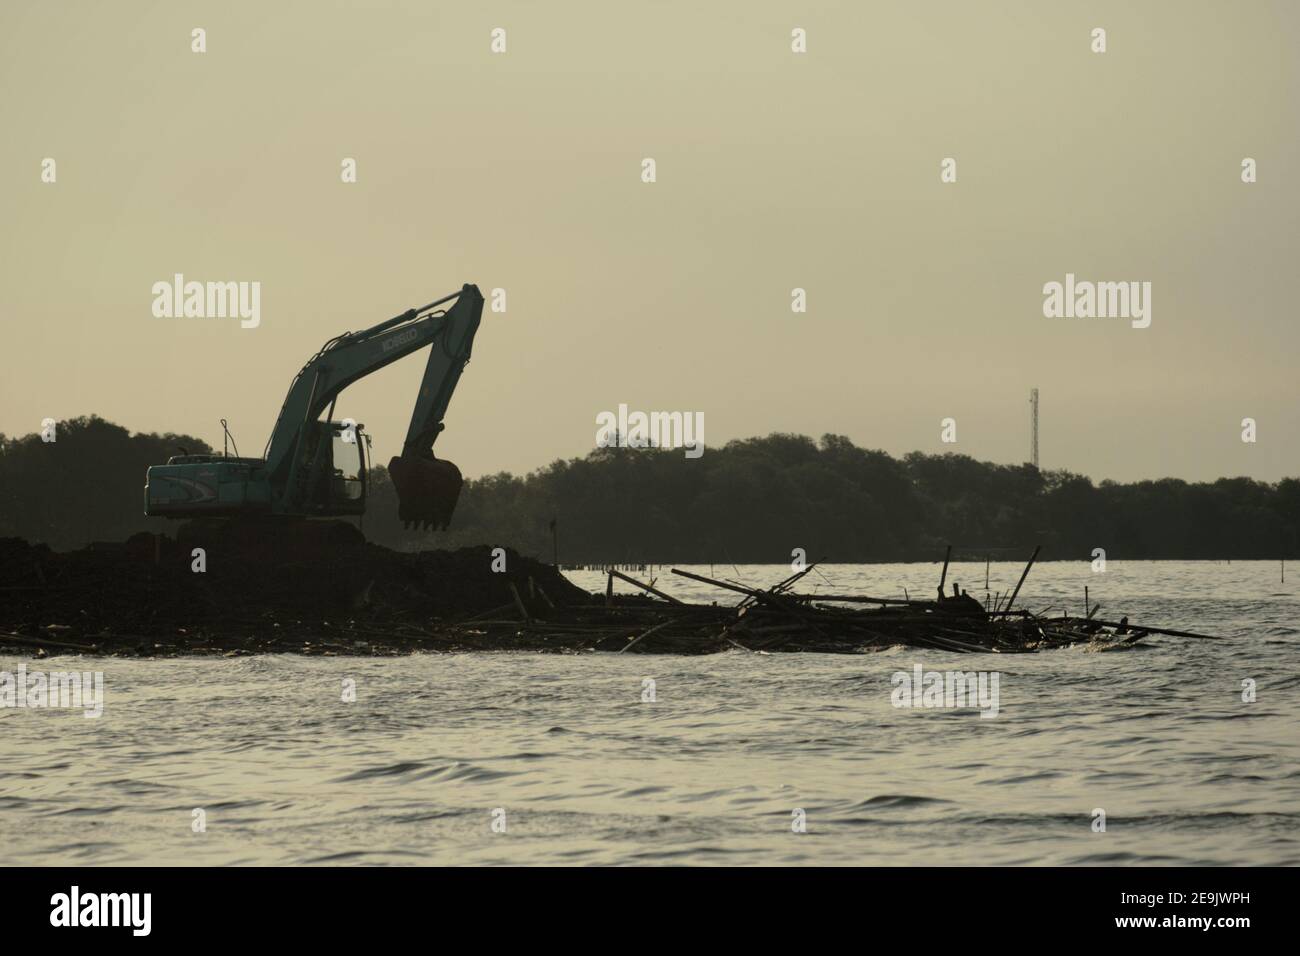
[{"x": 751, "y": 500}]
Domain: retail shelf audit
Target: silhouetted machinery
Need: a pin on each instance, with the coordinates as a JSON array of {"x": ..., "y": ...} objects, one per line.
[{"x": 315, "y": 467}]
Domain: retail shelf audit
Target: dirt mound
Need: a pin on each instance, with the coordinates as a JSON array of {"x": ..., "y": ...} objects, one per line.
[{"x": 152, "y": 588}]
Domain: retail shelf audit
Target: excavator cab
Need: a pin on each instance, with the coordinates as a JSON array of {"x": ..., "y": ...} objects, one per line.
[
  {"x": 334, "y": 468},
  {"x": 348, "y": 468}
]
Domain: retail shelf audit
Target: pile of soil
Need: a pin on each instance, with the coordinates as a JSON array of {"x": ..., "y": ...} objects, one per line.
[{"x": 143, "y": 596}]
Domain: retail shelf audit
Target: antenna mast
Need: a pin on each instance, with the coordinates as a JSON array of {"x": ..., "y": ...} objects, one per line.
[{"x": 1033, "y": 423}]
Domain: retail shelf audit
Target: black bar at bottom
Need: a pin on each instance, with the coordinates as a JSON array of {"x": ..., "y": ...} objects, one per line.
[{"x": 336, "y": 905}]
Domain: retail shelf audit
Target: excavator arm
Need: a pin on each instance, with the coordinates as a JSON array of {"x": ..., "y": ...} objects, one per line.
[{"x": 427, "y": 488}]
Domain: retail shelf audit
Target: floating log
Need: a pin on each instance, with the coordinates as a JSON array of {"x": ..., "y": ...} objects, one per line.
[
  {"x": 857, "y": 599},
  {"x": 44, "y": 642},
  {"x": 1143, "y": 627},
  {"x": 641, "y": 637},
  {"x": 645, "y": 587}
]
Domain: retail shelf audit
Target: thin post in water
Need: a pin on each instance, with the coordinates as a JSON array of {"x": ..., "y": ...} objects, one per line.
[{"x": 1024, "y": 574}]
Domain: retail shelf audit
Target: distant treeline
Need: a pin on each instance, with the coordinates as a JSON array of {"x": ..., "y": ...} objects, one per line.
[
  {"x": 85, "y": 485},
  {"x": 749, "y": 501}
]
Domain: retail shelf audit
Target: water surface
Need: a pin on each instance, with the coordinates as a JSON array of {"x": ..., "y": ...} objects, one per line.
[{"x": 713, "y": 769}]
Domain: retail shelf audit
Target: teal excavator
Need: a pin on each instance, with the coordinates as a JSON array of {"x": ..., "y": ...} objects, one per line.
[{"x": 316, "y": 468}]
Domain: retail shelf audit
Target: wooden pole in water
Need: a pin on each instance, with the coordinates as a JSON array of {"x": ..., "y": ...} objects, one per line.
[
  {"x": 944, "y": 575},
  {"x": 986, "y": 572},
  {"x": 1024, "y": 574}
]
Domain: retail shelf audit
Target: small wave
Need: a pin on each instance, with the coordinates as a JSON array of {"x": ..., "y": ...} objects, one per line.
[
  {"x": 376, "y": 856},
  {"x": 1117, "y": 857},
  {"x": 84, "y": 811},
  {"x": 424, "y": 770},
  {"x": 391, "y": 770},
  {"x": 1024, "y": 778},
  {"x": 890, "y": 801},
  {"x": 643, "y": 791}
]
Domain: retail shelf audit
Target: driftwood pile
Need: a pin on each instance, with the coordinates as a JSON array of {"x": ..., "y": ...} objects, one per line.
[
  {"x": 143, "y": 597},
  {"x": 782, "y": 619}
]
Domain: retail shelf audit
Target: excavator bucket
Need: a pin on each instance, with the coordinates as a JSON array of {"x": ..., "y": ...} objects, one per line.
[{"x": 427, "y": 490}]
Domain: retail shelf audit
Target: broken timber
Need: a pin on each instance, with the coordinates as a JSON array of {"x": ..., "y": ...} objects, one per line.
[{"x": 779, "y": 618}]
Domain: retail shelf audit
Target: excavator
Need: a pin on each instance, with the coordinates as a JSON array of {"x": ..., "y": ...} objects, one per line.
[{"x": 316, "y": 468}]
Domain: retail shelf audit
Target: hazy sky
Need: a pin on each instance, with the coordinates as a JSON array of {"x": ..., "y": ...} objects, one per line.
[{"x": 775, "y": 170}]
